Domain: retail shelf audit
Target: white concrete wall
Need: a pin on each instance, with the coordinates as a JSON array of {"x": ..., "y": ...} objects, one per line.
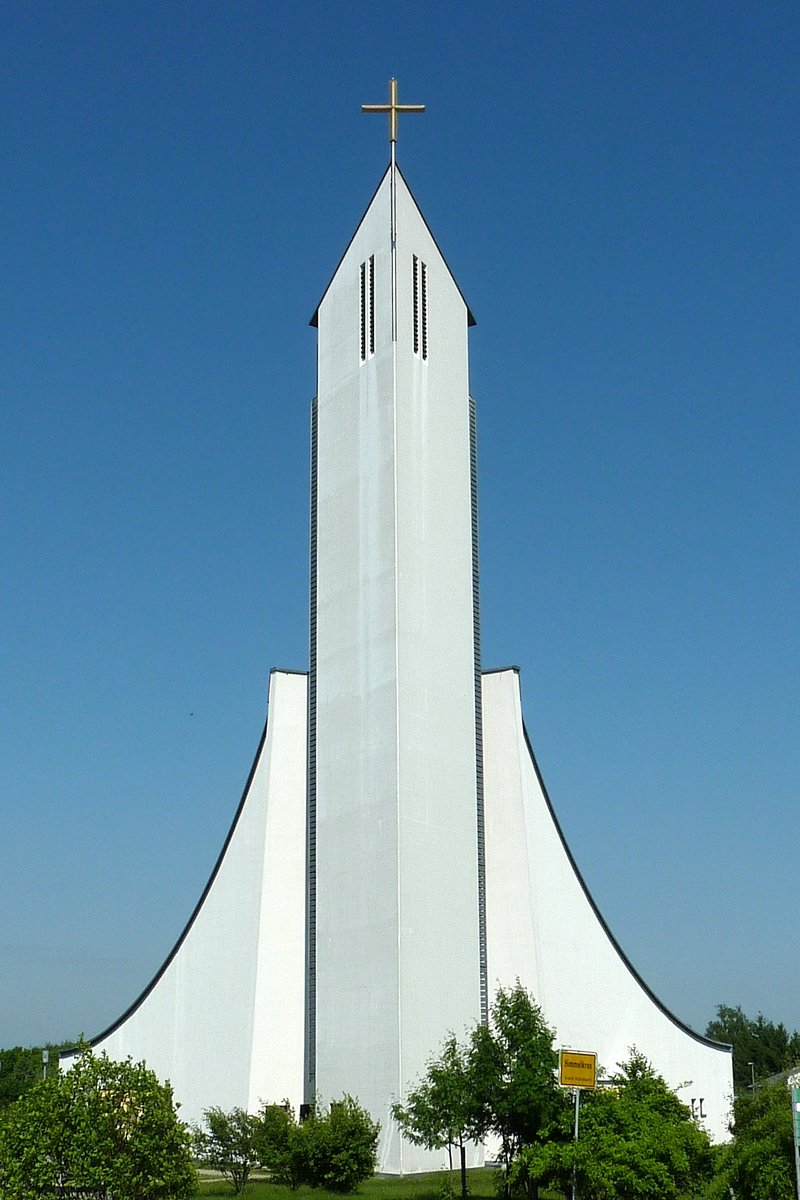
[
  {"x": 356, "y": 707},
  {"x": 223, "y": 1021},
  {"x": 397, "y": 962},
  {"x": 543, "y": 930}
]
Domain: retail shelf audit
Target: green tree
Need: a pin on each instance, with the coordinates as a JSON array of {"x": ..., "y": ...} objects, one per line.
[
  {"x": 440, "y": 1111},
  {"x": 280, "y": 1145},
  {"x": 109, "y": 1126},
  {"x": 512, "y": 1067},
  {"x": 759, "y": 1162},
  {"x": 20, "y": 1069},
  {"x": 229, "y": 1143},
  {"x": 501, "y": 1083},
  {"x": 769, "y": 1047},
  {"x": 340, "y": 1145},
  {"x": 333, "y": 1148},
  {"x": 637, "y": 1141}
]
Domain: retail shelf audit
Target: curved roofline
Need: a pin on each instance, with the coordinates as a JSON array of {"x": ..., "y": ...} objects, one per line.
[
  {"x": 698, "y": 1037},
  {"x": 722, "y": 1046},
  {"x": 137, "y": 1003}
]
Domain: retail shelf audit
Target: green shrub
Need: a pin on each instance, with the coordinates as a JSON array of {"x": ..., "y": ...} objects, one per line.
[
  {"x": 281, "y": 1145},
  {"x": 341, "y": 1146},
  {"x": 109, "y": 1126},
  {"x": 759, "y": 1163},
  {"x": 332, "y": 1148},
  {"x": 228, "y": 1144}
]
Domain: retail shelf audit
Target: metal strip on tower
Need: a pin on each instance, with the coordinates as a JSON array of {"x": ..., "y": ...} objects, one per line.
[
  {"x": 310, "y": 1085},
  {"x": 481, "y": 821}
]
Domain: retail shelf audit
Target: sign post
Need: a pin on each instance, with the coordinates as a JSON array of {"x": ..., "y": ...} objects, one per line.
[{"x": 577, "y": 1069}]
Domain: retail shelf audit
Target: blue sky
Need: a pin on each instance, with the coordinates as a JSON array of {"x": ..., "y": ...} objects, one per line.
[{"x": 615, "y": 188}]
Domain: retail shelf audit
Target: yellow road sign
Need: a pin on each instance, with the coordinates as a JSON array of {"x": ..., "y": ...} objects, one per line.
[{"x": 577, "y": 1069}]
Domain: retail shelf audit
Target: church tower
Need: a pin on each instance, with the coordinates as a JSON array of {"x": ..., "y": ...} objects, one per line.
[
  {"x": 395, "y": 857},
  {"x": 396, "y": 943}
]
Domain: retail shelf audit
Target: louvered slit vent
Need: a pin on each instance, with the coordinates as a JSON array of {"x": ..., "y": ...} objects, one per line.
[
  {"x": 420, "y": 305},
  {"x": 367, "y": 290}
]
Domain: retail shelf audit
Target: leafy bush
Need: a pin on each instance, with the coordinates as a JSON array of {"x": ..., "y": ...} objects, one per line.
[
  {"x": 109, "y": 1126},
  {"x": 21, "y": 1069},
  {"x": 333, "y": 1148},
  {"x": 281, "y": 1146},
  {"x": 340, "y": 1145},
  {"x": 759, "y": 1163},
  {"x": 637, "y": 1142},
  {"x": 228, "y": 1144}
]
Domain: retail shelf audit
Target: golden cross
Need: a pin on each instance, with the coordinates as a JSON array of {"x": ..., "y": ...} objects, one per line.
[{"x": 393, "y": 108}]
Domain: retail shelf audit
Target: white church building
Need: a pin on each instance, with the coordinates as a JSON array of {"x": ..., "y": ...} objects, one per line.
[{"x": 395, "y": 856}]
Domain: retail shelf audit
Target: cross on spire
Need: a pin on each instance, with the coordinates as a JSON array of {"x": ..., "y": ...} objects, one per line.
[{"x": 393, "y": 109}]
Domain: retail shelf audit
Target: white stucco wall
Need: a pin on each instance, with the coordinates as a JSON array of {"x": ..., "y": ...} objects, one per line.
[
  {"x": 223, "y": 1021},
  {"x": 397, "y": 963},
  {"x": 543, "y": 929}
]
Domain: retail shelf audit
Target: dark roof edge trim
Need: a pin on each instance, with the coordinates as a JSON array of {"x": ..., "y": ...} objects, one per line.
[
  {"x": 315, "y": 315},
  {"x": 100, "y": 1037},
  {"x": 698, "y": 1037},
  {"x": 470, "y": 318}
]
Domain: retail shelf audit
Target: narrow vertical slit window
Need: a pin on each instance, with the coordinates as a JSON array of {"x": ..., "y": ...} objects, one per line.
[
  {"x": 372, "y": 304},
  {"x": 367, "y": 289},
  {"x": 423, "y": 303},
  {"x": 416, "y": 305},
  {"x": 363, "y": 311},
  {"x": 420, "y": 305}
]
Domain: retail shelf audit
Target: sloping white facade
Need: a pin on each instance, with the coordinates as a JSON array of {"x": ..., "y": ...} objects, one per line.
[
  {"x": 544, "y": 929},
  {"x": 223, "y": 1019},
  {"x": 395, "y": 856}
]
